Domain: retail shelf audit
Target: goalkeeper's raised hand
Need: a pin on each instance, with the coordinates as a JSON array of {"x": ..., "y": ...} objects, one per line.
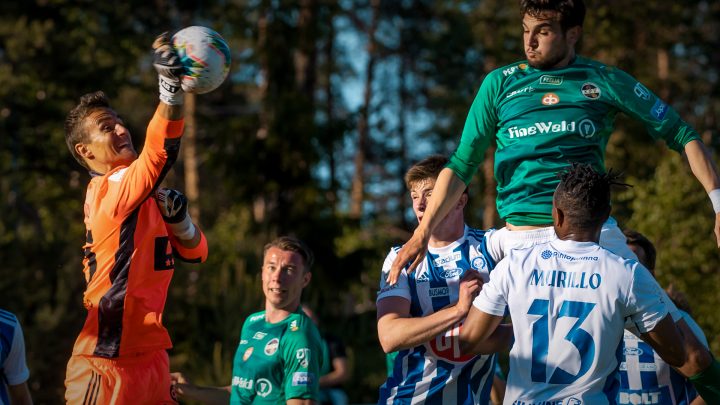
[
  {"x": 173, "y": 207},
  {"x": 167, "y": 63}
]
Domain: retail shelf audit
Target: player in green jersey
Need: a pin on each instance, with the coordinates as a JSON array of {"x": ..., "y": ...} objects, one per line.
[
  {"x": 553, "y": 108},
  {"x": 280, "y": 354}
]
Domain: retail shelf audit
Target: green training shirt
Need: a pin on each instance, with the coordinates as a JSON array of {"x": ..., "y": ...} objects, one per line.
[
  {"x": 275, "y": 362},
  {"x": 544, "y": 119}
]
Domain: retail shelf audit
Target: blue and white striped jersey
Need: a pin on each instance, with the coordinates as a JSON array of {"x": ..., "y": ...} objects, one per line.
[
  {"x": 436, "y": 372},
  {"x": 645, "y": 378},
  {"x": 13, "y": 369},
  {"x": 568, "y": 302}
]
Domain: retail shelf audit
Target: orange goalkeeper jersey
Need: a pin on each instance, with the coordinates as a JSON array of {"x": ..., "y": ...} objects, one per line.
[{"x": 129, "y": 253}]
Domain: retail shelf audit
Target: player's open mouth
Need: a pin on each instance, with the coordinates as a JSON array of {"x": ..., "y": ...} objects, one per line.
[{"x": 276, "y": 290}]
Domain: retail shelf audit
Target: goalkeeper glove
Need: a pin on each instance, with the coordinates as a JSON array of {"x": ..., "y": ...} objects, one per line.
[
  {"x": 167, "y": 63},
  {"x": 173, "y": 208}
]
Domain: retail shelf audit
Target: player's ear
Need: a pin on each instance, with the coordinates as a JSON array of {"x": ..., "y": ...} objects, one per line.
[
  {"x": 84, "y": 151},
  {"x": 558, "y": 216},
  {"x": 306, "y": 278}
]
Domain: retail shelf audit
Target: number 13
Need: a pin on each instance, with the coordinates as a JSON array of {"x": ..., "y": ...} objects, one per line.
[{"x": 580, "y": 338}]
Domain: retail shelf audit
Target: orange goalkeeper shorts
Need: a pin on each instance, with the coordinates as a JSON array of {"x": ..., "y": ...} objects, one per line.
[{"x": 141, "y": 379}]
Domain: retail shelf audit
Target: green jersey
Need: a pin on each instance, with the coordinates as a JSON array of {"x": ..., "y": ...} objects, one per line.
[
  {"x": 544, "y": 119},
  {"x": 277, "y": 361}
]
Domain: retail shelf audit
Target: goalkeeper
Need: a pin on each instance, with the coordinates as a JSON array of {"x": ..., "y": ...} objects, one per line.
[{"x": 134, "y": 230}]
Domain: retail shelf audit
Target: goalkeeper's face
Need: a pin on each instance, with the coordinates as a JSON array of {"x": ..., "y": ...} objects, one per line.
[
  {"x": 283, "y": 277},
  {"x": 107, "y": 143}
]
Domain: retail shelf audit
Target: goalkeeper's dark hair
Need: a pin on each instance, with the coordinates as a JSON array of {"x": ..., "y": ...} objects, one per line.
[
  {"x": 572, "y": 12},
  {"x": 293, "y": 244},
  {"x": 584, "y": 195},
  {"x": 75, "y": 122}
]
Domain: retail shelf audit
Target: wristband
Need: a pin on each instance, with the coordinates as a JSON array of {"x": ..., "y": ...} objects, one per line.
[
  {"x": 170, "y": 91},
  {"x": 715, "y": 198},
  {"x": 184, "y": 229}
]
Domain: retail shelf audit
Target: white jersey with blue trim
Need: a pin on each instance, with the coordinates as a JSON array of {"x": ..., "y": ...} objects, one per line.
[
  {"x": 568, "y": 302},
  {"x": 436, "y": 372},
  {"x": 13, "y": 369},
  {"x": 645, "y": 378}
]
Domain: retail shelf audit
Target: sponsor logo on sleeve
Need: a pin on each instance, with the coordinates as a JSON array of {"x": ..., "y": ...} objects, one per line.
[
  {"x": 302, "y": 378},
  {"x": 243, "y": 342},
  {"x": 263, "y": 387},
  {"x": 641, "y": 92},
  {"x": 303, "y": 355},
  {"x": 591, "y": 91},
  {"x": 659, "y": 110},
  {"x": 553, "y": 80},
  {"x": 509, "y": 71},
  {"x": 550, "y": 99},
  {"x": 271, "y": 347}
]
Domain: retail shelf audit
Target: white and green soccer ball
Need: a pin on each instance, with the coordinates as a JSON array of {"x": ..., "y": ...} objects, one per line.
[{"x": 205, "y": 57}]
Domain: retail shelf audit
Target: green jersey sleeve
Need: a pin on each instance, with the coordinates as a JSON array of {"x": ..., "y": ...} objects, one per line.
[
  {"x": 302, "y": 360},
  {"x": 661, "y": 120},
  {"x": 480, "y": 128}
]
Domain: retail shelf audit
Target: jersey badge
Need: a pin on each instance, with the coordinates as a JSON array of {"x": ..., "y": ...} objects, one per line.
[
  {"x": 303, "y": 355},
  {"x": 301, "y": 378},
  {"x": 294, "y": 326},
  {"x": 523, "y": 66},
  {"x": 479, "y": 263},
  {"x": 271, "y": 347},
  {"x": 553, "y": 80},
  {"x": 247, "y": 353},
  {"x": 591, "y": 91},
  {"x": 550, "y": 99},
  {"x": 263, "y": 387}
]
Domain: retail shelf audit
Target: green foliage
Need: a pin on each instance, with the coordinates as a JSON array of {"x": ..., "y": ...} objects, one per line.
[{"x": 673, "y": 211}]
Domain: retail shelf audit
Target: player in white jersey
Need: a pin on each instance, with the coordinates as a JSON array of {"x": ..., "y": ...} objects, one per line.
[
  {"x": 14, "y": 372},
  {"x": 645, "y": 378},
  {"x": 421, "y": 315},
  {"x": 568, "y": 300}
]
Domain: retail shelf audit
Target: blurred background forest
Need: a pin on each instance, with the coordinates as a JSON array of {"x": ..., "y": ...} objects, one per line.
[{"x": 327, "y": 104}]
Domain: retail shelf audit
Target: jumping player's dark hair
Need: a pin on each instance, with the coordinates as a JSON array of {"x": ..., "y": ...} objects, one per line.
[
  {"x": 75, "y": 122},
  {"x": 293, "y": 244},
  {"x": 584, "y": 195},
  {"x": 572, "y": 12},
  {"x": 636, "y": 238}
]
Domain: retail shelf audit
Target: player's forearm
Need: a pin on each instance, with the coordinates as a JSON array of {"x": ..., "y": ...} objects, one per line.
[
  {"x": 170, "y": 112},
  {"x": 498, "y": 341},
  {"x": 702, "y": 165},
  {"x": 398, "y": 333},
  {"x": 446, "y": 193}
]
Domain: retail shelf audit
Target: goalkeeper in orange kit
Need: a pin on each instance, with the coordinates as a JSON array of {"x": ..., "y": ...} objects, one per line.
[{"x": 134, "y": 231}]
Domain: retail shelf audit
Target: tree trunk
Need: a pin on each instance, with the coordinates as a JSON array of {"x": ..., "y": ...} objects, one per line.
[
  {"x": 357, "y": 195},
  {"x": 306, "y": 52},
  {"x": 192, "y": 190}
]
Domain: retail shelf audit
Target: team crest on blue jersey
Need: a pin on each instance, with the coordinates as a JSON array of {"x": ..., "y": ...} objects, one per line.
[{"x": 479, "y": 263}]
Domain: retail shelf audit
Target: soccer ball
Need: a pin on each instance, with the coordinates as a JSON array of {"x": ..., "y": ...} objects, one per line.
[{"x": 205, "y": 57}]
